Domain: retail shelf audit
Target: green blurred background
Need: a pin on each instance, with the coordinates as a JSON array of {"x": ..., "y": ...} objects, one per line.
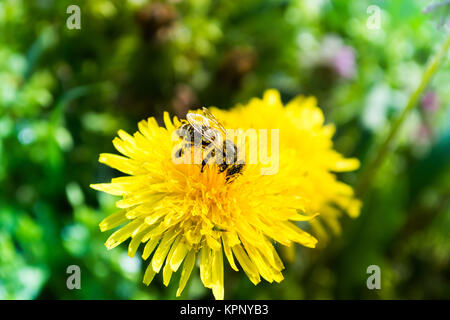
[{"x": 64, "y": 94}]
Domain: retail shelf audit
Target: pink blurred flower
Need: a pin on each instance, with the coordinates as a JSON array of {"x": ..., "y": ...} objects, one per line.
[
  {"x": 338, "y": 56},
  {"x": 344, "y": 62},
  {"x": 430, "y": 101}
]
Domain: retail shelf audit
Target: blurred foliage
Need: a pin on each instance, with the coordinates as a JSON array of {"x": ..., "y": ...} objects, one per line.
[{"x": 64, "y": 94}]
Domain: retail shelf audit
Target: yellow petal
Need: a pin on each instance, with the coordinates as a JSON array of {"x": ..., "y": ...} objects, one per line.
[
  {"x": 205, "y": 266},
  {"x": 228, "y": 253},
  {"x": 136, "y": 199},
  {"x": 298, "y": 235},
  {"x": 186, "y": 272},
  {"x": 137, "y": 239},
  {"x": 217, "y": 274},
  {"x": 122, "y": 234},
  {"x": 114, "y": 220},
  {"x": 258, "y": 261},
  {"x": 167, "y": 274},
  {"x": 172, "y": 250},
  {"x": 120, "y": 163},
  {"x": 213, "y": 243},
  {"x": 167, "y": 122},
  {"x": 246, "y": 264},
  {"x": 272, "y": 97},
  {"x": 111, "y": 188},
  {"x": 163, "y": 249},
  {"x": 344, "y": 165},
  {"x": 149, "y": 275},
  {"x": 178, "y": 255},
  {"x": 150, "y": 246}
]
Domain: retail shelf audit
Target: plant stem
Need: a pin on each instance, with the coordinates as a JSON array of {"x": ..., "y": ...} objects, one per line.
[{"x": 370, "y": 171}]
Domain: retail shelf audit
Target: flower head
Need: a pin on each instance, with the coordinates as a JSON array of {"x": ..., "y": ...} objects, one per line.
[
  {"x": 307, "y": 139},
  {"x": 184, "y": 213}
]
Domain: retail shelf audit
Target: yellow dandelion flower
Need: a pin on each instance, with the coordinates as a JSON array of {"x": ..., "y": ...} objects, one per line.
[
  {"x": 304, "y": 134},
  {"x": 185, "y": 213}
]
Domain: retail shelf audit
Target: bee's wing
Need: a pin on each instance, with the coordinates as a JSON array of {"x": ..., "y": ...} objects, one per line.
[
  {"x": 207, "y": 127},
  {"x": 216, "y": 124}
]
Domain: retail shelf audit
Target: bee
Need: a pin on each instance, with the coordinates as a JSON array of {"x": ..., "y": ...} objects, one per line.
[{"x": 212, "y": 139}]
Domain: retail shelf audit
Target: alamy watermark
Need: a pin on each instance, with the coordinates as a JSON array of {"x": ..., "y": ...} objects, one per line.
[
  {"x": 374, "y": 280},
  {"x": 74, "y": 20},
  {"x": 374, "y": 19},
  {"x": 74, "y": 280}
]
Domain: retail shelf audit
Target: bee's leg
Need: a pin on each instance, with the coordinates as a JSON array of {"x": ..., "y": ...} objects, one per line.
[
  {"x": 230, "y": 152},
  {"x": 230, "y": 155},
  {"x": 224, "y": 165},
  {"x": 211, "y": 154},
  {"x": 180, "y": 152}
]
